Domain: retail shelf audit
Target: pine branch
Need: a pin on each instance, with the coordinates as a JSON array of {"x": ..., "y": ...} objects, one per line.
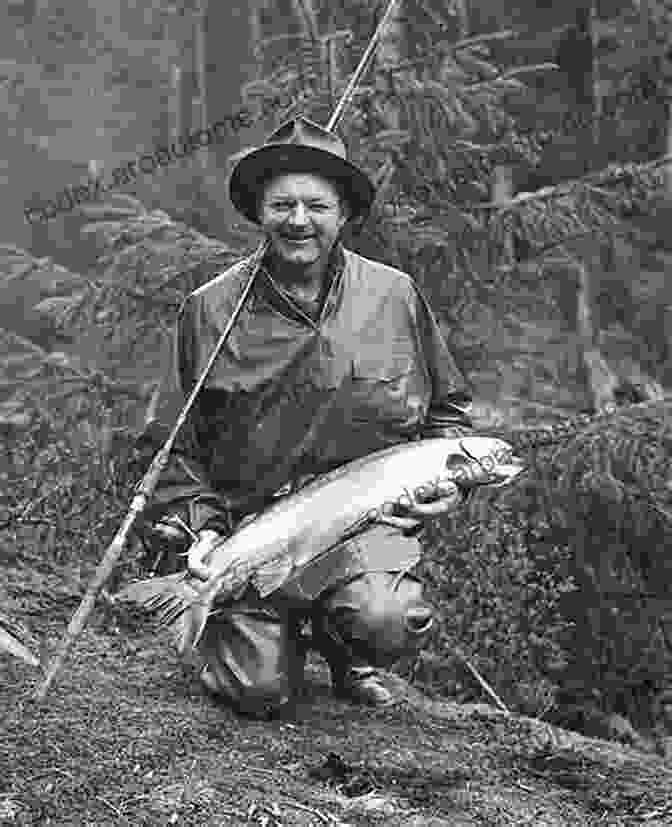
[
  {"x": 500, "y": 81},
  {"x": 614, "y": 174},
  {"x": 31, "y": 366}
]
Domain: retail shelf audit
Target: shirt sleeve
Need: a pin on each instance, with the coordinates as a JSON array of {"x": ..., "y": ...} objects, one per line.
[
  {"x": 451, "y": 394},
  {"x": 184, "y": 487}
]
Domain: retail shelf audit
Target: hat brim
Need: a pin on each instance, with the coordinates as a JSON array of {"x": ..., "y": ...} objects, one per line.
[{"x": 255, "y": 169}]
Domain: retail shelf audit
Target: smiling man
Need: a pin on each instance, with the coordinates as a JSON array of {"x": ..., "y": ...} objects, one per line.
[
  {"x": 333, "y": 357},
  {"x": 303, "y": 216}
]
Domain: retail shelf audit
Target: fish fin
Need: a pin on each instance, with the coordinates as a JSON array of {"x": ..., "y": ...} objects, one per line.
[
  {"x": 165, "y": 598},
  {"x": 272, "y": 575},
  {"x": 141, "y": 590},
  {"x": 275, "y": 574},
  {"x": 193, "y": 624},
  {"x": 169, "y": 600},
  {"x": 8, "y": 643},
  {"x": 360, "y": 525}
]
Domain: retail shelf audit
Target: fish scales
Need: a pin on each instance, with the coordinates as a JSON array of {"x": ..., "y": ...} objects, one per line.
[
  {"x": 288, "y": 536},
  {"x": 324, "y": 510},
  {"x": 279, "y": 543}
]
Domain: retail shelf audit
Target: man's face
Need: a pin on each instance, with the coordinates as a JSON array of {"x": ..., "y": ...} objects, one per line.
[{"x": 302, "y": 215}]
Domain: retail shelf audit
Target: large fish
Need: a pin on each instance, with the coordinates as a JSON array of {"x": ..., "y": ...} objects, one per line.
[{"x": 281, "y": 541}]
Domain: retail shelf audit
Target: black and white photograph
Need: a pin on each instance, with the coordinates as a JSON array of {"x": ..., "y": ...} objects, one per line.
[{"x": 336, "y": 413}]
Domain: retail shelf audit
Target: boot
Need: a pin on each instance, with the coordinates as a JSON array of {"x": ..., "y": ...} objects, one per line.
[
  {"x": 360, "y": 684},
  {"x": 352, "y": 677}
]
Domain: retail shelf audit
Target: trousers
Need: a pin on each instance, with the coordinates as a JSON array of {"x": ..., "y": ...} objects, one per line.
[{"x": 253, "y": 652}]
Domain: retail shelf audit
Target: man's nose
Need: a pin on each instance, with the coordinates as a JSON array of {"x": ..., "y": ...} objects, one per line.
[{"x": 299, "y": 215}]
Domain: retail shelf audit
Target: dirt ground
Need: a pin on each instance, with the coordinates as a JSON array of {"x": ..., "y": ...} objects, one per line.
[{"x": 128, "y": 737}]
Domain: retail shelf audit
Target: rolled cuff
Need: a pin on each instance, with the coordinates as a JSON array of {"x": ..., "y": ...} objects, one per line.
[{"x": 447, "y": 420}]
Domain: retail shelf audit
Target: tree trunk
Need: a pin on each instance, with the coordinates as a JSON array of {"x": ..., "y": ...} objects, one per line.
[
  {"x": 388, "y": 54},
  {"x": 502, "y": 191},
  {"x": 333, "y": 73},
  {"x": 173, "y": 32},
  {"x": 306, "y": 15},
  {"x": 668, "y": 150},
  {"x": 597, "y": 99},
  {"x": 461, "y": 7},
  {"x": 199, "y": 110},
  {"x": 390, "y": 48},
  {"x": 648, "y": 33},
  {"x": 175, "y": 103},
  {"x": 600, "y": 379},
  {"x": 256, "y": 35}
]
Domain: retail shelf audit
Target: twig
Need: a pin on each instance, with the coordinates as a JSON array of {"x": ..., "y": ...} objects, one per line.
[
  {"x": 153, "y": 406},
  {"x": 484, "y": 684},
  {"x": 325, "y": 819},
  {"x": 230, "y": 811},
  {"x": 511, "y": 73},
  {"x": 177, "y": 519},
  {"x": 116, "y": 810},
  {"x": 183, "y": 795},
  {"x": 468, "y": 42},
  {"x": 622, "y": 174},
  {"x": 53, "y": 360}
]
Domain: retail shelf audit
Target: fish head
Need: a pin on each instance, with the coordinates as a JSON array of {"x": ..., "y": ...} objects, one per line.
[{"x": 476, "y": 460}]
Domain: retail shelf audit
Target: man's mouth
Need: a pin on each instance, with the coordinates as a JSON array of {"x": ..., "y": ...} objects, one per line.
[{"x": 298, "y": 239}]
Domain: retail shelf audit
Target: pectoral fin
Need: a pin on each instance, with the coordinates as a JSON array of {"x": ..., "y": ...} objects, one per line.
[
  {"x": 272, "y": 575},
  {"x": 194, "y": 620}
]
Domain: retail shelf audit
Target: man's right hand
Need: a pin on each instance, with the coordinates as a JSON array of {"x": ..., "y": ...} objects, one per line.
[
  {"x": 171, "y": 528},
  {"x": 200, "y": 550}
]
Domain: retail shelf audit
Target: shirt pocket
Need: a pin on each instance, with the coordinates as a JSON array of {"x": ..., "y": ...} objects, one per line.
[{"x": 383, "y": 393}]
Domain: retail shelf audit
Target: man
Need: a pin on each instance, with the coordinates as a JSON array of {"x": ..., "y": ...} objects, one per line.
[{"x": 333, "y": 357}]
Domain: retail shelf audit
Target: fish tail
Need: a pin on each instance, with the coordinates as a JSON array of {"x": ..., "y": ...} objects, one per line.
[
  {"x": 172, "y": 599},
  {"x": 194, "y": 621},
  {"x": 166, "y": 598}
]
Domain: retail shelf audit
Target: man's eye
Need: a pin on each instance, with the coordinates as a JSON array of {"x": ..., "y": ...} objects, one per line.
[{"x": 288, "y": 206}]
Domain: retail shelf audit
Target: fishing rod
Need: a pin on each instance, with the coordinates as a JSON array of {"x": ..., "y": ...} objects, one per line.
[{"x": 145, "y": 489}]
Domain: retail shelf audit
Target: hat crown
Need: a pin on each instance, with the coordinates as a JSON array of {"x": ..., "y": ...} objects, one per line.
[{"x": 301, "y": 131}]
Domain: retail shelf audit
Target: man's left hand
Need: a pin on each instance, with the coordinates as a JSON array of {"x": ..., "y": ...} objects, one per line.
[
  {"x": 443, "y": 497},
  {"x": 414, "y": 508}
]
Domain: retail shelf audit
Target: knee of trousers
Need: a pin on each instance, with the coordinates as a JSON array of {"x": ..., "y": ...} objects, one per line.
[
  {"x": 380, "y": 616},
  {"x": 252, "y": 659}
]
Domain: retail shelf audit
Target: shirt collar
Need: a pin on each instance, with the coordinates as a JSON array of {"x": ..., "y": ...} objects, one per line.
[{"x": 272, "y": 291}]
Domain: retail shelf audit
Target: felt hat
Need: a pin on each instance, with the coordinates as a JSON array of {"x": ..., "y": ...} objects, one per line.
[{"x": 299, "y": 145}]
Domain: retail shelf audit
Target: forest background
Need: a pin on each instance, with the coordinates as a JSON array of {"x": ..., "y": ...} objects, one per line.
[{"x": 517, "y": 152}]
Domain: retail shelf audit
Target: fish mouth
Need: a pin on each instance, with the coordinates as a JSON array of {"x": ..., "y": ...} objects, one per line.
[{"x": 508, "y": 472}]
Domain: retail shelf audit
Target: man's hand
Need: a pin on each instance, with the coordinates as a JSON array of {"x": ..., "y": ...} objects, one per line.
[
  {"x": 443, "y": 497},
  {"x": 200, "y": 550},
  {"x": 415, "y": 507}
]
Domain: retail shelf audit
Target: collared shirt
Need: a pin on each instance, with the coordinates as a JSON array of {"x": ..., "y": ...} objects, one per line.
[
  {"x": 294, "y": 394},
  {"x": 288, "y": 303}
]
